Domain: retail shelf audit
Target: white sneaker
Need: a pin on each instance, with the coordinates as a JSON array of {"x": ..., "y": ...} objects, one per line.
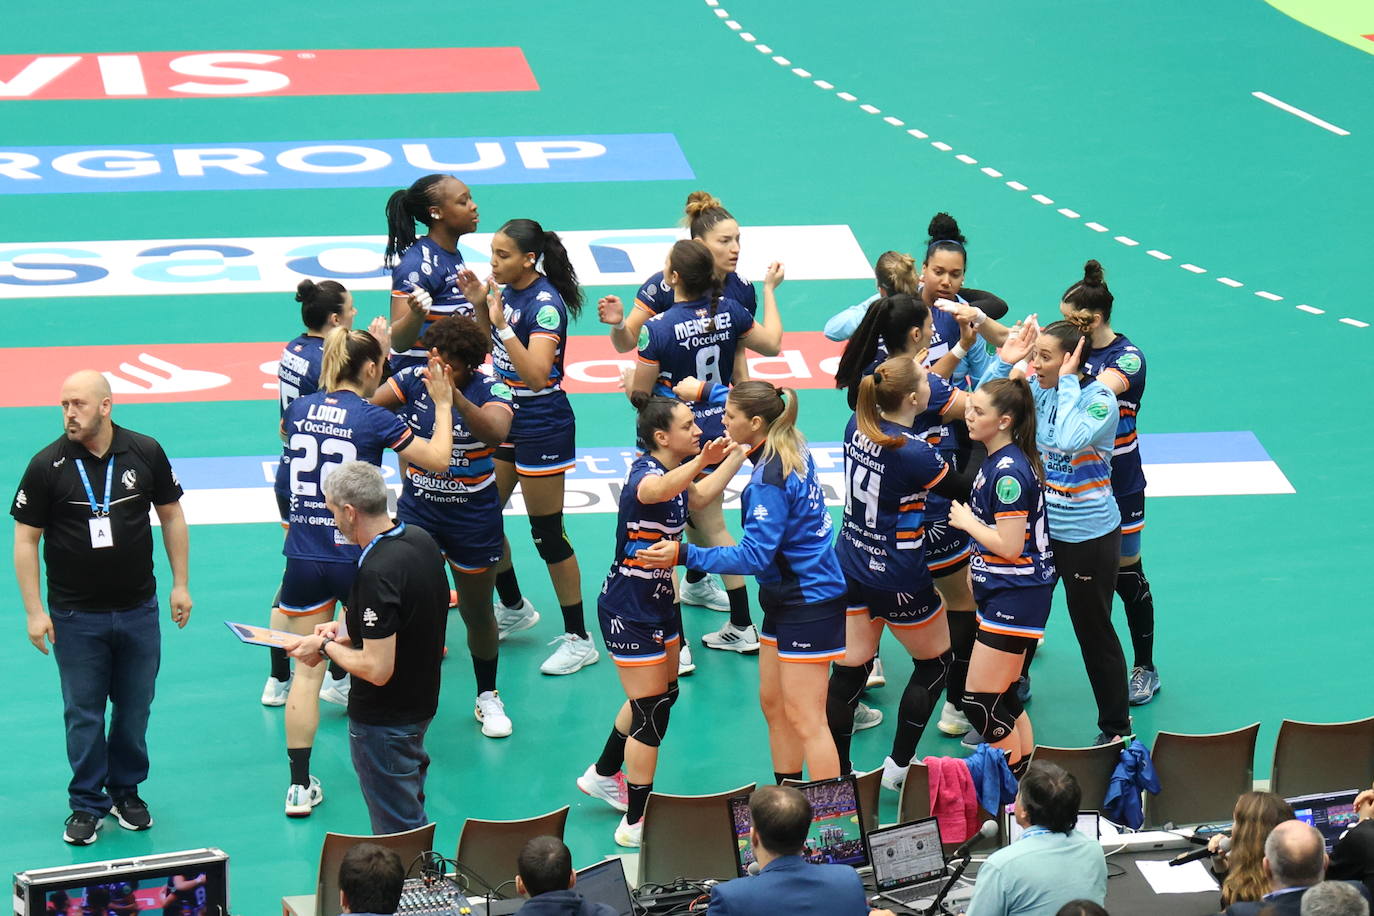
[
  {"x": 572, "y": 655},
  {"x": 274, "y": 692},
  {"x": 876, "y": 677},
  {"x": 514, "y": 619},
  {"x": 893, "y": 775},
  {"x": 705, "y": 593},
  {"x": 630, "y": 835},
  {"x": 491, "y": 712},
  {"x": 610, "y": 789},
  {"x": 953, "y": 722},
  {"x": 300, "y": 800},
  {"x": 685, "y": 665},
  {"x": 866, "y": 716},
  {"x": 335, "y": 690},
  {"x": 733, "y": 639}
]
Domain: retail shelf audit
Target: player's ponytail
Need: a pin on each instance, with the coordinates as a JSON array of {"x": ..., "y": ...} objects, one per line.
[
  {"x": 889, "y": 321},
  {"x": 695, "y": 267},
  {"x": 1012, "y": 398},
  {"x": 896, "y": 273},
  {"x": 890, "y": 384},
  {"x": 945, "y": 236},
  {"x": 702, "y": 212},
  {"x": 531, "y": 238},
  {"x": 319, "y": 301},
  {"x": 1066, "y": 333},
  {"x": 1089, "y": 295},
  {"x": 777, "y": 407},
  {"x": 404, "y": 209},
  {"x": 345, "y": 355}
]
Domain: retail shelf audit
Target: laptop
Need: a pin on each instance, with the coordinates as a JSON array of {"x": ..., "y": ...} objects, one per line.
[
  {"x": 1332, "y": 813},
  {"x": 836, "y": 835},
  {"x": 605, "y": 883},
  {"x": 908, "y": 862},
  {"x": 1089, "y": 824}
]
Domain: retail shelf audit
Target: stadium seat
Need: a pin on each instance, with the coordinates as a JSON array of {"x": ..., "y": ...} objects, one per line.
[
  {"x": 1091, "y": 766},
  {"x": 408, "y": 846},
  {"x": 489, "y": 848},
  {"x": 687, "y": 836},
  {"x": 1200, "y": 776},
  {"x": 1314, "y": 757}
]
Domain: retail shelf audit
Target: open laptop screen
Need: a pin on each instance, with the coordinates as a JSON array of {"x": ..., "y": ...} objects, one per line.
[
  {"x": 605, "y": 883},
  {"x": 1332, "y": 813},
  {"x": 906, "y": 854},
  {"x": 836, "y": 835}
]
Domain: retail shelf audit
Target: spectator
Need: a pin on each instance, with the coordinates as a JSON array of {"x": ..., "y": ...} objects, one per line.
[
  {"x": 544, "y": 873},
  {"x": 1352, "y": 859},
  {"x": 1082, "y": 908},
  {"x": 785, "y": 882},
  {"x": 1255, "y": 816},
  {"x": 1052, "y": 863},
  {"x": 1294, "y": 860},
  {"x": 370, "y": 880},
  {"x": 1334, "y": 898}
]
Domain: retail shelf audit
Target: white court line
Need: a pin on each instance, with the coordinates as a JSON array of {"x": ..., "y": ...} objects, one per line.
[
  {"x": 1127, "y": 241},
  {"x": 1311, "y": 311},
  {"x": 1266, "y": 97},
  {"x": 1355, "y": 323}
]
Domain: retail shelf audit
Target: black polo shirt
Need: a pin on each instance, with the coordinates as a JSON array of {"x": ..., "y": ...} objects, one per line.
[
  {"x": 51, "y": 497},
  {"x": 401, "y": 589}
]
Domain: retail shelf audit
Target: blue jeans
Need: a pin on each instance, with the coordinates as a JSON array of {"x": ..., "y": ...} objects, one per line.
[
  {"x": 391, "y": 763},
  {"x": 114, "y": 656}
]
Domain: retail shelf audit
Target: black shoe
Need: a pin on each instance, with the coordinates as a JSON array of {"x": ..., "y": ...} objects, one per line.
[
  {"x": 1105, "y": 738},
  {"x": 81, "y": 828},
  {"x": 132, "y": 812},
  {"x": 1023, "y": 693},
  {"x": 972, "y": 738}
]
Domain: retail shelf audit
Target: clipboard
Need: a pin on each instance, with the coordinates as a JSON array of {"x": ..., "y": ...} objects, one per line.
[{"x": 256, "y": 635}]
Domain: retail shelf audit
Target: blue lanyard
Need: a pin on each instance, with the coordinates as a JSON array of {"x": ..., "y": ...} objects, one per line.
[
  {"x": 1035, "y": 831},
  {"x": 390, "y": 532},
  {"x": 103, "y": 510}
]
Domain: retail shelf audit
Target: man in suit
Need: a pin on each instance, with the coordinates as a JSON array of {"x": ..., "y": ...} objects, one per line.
[
  {"x": 1294, "y": 860},
  {"x": 785, "y": 882}
]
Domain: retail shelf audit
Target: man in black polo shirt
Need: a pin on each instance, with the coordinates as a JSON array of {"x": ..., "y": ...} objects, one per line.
[
  {"x": 392, "y": 643},
  {"x": 86, "y": 497}
]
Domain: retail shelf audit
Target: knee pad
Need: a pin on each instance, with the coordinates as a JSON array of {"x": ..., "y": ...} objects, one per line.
[
  {"x": 988, "y": 715},
  {"x": 673, "y": 692},
  {"x": 931, "y": 673},
  {"x": 549, "y": 537},
  {"x": 847, "y": 682},
  {"x": 649, "y": 718},
  {"x": 1012, "y": 703}
]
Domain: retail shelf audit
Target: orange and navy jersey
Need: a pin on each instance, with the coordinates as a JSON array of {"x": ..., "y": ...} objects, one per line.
[
  {"x": 655, "y": 296},
  {"x": 881, "y": 543},
  {"x": 430, "y": 499},
  {"x": 687, "y": 340},
  {"x": 322, "y": 431},
  {"x": 427, "y": 265},
  {"x": 1123, "y": 360},
  {"x": 1006, "y": 487},
  {"x": 633, "y": 590}
]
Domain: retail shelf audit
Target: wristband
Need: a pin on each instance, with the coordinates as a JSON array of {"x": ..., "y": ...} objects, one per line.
[
  {"x": 324, "y": 641},
  {"x": 505, "y": 333},
  {"x": 978, "y": 317},
  {"x": 621, "y": 325},
  {"x": 959, "y": 351}
]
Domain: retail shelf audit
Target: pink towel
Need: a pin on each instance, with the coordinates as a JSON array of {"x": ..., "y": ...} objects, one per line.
[{"x": 953, "y": 800}]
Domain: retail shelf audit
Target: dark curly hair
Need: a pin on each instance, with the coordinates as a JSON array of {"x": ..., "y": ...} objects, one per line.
[{"x": 459, "y": 341}]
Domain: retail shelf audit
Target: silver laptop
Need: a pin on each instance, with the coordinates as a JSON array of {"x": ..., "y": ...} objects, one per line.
[{"x": 908, "y": 861}]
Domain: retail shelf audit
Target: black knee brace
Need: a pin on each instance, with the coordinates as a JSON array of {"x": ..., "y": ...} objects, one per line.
[
  {"x": 549, "y": 537},
  {"x": 846, "y": 683},
  {"x": 923, "y": 689},
  {"x": 673, "y": 692},
  {"x": 989, "y": 715},
  {"x": 649, "y": 718}
]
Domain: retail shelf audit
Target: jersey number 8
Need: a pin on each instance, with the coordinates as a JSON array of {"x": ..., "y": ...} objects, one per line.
[{"x": 316, "y": 455}]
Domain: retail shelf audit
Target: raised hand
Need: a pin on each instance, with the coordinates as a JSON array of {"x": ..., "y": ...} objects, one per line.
[
  {"x": 774, "y": 275},
  {"x": 1020, "y": 341},
  {"x": 610, "y": 310}
]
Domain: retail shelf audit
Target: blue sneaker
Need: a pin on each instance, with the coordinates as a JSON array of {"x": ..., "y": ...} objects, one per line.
[{"x": 1144, "y": 685}]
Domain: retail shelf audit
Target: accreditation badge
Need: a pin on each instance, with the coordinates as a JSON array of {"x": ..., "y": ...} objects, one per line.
[{"x": 101, "y": 534}]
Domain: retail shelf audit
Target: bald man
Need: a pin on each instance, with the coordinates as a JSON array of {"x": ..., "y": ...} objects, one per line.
[
  {"x": 1294, "y": 860},
  {"x": 87, "y": 498}
]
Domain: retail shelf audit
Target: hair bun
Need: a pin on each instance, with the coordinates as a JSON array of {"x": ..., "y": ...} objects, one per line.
[
  {"x": 943, "y": 226},
  {"x": 700, "y": 202},
  {"x": 305, "y": 290},
  {"x": 1092, "y": 273}
]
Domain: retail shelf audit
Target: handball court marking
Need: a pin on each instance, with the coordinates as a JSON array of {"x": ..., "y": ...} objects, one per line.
[
  {"x": 1017, "y": 186},
  {"x": 1306, "y": 116}
]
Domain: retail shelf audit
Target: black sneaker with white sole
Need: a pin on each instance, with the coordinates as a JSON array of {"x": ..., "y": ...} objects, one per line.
[
  {"x": 81, "y": 828},
  {"x": 132, "y": 812}
]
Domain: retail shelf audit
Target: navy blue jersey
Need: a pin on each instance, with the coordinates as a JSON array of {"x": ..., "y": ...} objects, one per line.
[
  {"x": 882, "y": 537},
  {"x": 683, "y": 341},
  {"x": 656, "y": 296},
  {"x": 466, "y": 494},
  {"x": 537, "y": 311},
  {"x": 943, "y": 337},
  {"x": 426, "y": 265},
  {"x": 1006, "y": 487},
  {"x": 786, "y": 545},
  {"x": 323, "y": 430},
  {"x": 631, "y": 590},
  {"x": 298, "y": 369},
  {"x": 1123, "y": 360}
]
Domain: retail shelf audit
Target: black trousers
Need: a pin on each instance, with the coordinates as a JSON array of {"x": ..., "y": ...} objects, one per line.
[{"x": 1088, "y": 571}]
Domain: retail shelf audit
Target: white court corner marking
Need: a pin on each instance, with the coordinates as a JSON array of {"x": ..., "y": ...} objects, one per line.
[{"x": 1042, "y": 199}]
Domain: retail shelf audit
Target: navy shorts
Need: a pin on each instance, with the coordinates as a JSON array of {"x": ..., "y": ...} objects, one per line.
[
  {"x": 542, "y": 441},
  {"x": 947, "y": 548},
  {"x": 468, "y": 550},
  {"x": 819, "y": 638},
  {"x": 911, "y": 610},
  {"x": 313, "y": 586},
  {"x": 1132, "y": 507},
  {"x": 633, "y": 643},
  {"x": 1015, "y": 611}
]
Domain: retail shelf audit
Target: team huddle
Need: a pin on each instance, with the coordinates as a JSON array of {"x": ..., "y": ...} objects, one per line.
[{"x": 984, "y": 463}]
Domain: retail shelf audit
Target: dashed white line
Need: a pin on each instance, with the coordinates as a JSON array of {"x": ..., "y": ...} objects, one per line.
[
  {"x": 722, "y": 14},
  {"x": 1311, "y": 310},
  {"x": 1234, "y": 284},
  {"x": 943, "y": 147},
  {"x": 804, "y": 74},
  {"x": 1194, "y": 268},
  {"x": 1096, "y": 227},
  {"x": 966, "y": 159},
  {"x": 1041, "y": 198},
  {"x": 1127, "y": 241},
  {"x": 895, "y": 122},
  {"x": 822, "y": 84},
  {"x": 991, "y": 172},
  {"x": 1159, "y": 254},
  {"x": 733, "y": 24},
  {"x": 1017, "y": 186},
  {"x": 1355, "y": 322},
  {"x": 1326, "y": 125},
  {"x": 782, "y": 61},
  {"x": 845, "y": 96},
  {"x": 1270, "y": 296},
  {"x": 747, "y": 36},
  {"x": 1071, "y": 214},
  {"x": 763, "y": 49}
]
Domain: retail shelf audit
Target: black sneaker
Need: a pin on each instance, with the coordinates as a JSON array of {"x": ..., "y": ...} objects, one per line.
[
  {"x": 1105, "y": 738},
  {"x": 81, "y": 828},
  {"x": 132, "y": 812}
]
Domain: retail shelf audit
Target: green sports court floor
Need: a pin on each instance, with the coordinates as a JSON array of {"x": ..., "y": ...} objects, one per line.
[{"x": 1235, "y": 233}]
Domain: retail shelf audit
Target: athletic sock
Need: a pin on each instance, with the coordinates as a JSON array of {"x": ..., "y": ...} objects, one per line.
[
  {"x": 508, "y": 588},
  {"x": 1134, "y": 590},
  {"x": 299, "y": 758},
  {"x": 484, "y": 669},
  {"x": 1018, "y": 769},
  {"x": 779, "y": 777},
  {"x": 928, "y": 678},
  {"x": 739, "y": 606},
  {"x": 1030, "y": 657},
  {"x": 639, "y": 794},
  {"x": 612, "y": 755},
  {"x": 842, "y": 693},
  {"x": 695, "y": 575},
  {"x": 963, "y": 627},
  {"x": 281, "y": 664},
  {"x": 573, "y": 621}
]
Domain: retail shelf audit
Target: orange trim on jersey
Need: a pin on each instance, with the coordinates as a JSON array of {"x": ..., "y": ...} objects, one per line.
[
  {"x": 911, "y": 535},
  {"x": 994, "y": 559},
  {"x": 639, "y": 662},
  {"x": 1126, "y": 439},
  {"x": 545, "y": 472},
  {"x": 916, "y": 625},
  {"x": 1132, "y": 529},
  {"x": 1088, "y": 458},
  {"x": 1021, "y": 514},
  {"x": 483, "y": 453},
  {"x": 415, "y": 471},
  {"x": 856, "y": 611},
  {"x": 640, "y": 304},
  {"x": 1009, "y": 631},
  {"x": 407, "y": 438},
  {"x": 643, "y": 535},
  {"x": 396, "y": 388},
  {"x": 912, "y": 506},
  {"x": 647, "y": 362},
  {"x": 552, "y": 335},
  {"x": 1118, "y": 373},
  {"x": 1081, "y": 488},
  {"x": 309, "y": 612},
  {"x": 944, "y": 471},
  {"x": 936, "y": 568},
  {"x": 810, "y": 659},
  {"x": 468, "y": 570},
  {"x": 1127, "y": 411}
]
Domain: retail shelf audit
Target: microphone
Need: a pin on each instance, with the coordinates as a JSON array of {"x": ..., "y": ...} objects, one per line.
[
  {"x": 1204, "y": 852},
  {"x": 988, "y": 831},
  {"x": 754, "y": 867}
]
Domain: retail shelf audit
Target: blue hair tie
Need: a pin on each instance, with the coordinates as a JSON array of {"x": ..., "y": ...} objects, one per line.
[{"x": 956, "y": 242}]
